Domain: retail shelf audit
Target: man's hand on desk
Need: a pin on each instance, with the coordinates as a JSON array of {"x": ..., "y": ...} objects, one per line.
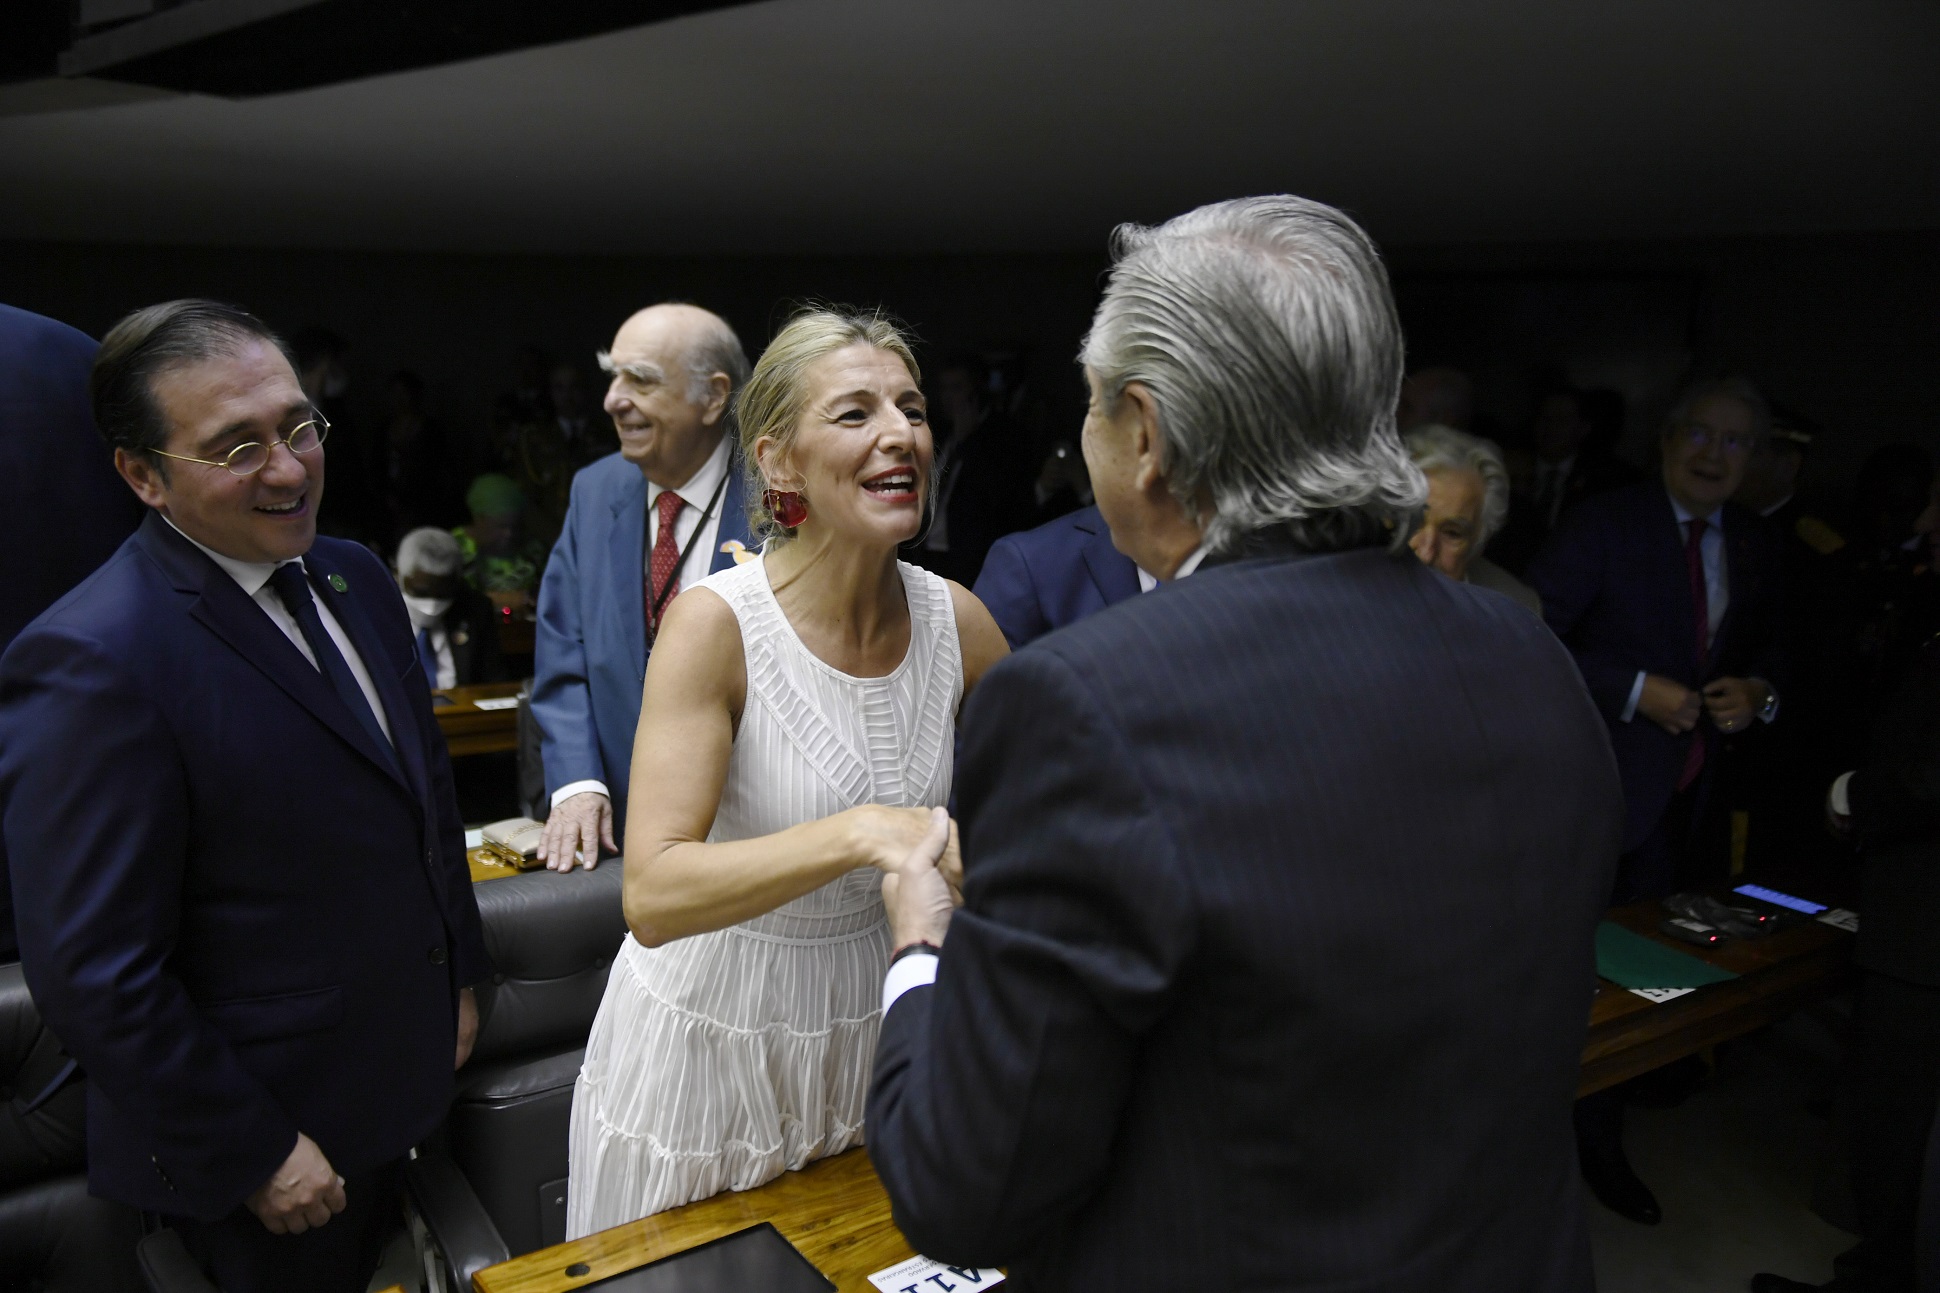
[
  {"x": 1669, "y": 704},
  {"x": 302, "y": 1194},
  {"x": 467, "y": 1026},
  {"x": 917, "y": 895},
  {"x": 575, "y": 831}
]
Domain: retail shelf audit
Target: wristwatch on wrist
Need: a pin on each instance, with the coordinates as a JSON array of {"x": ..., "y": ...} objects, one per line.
[{"x": 1769, "y": 710}]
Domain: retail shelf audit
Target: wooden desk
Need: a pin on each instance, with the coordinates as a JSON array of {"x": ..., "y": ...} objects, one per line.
[
  {"x": 471, "y": 730},
  {"x": 1777, "y": 974},
  {"x": 836, "y": 1213},
  {"x": 833, "y": 1210}
]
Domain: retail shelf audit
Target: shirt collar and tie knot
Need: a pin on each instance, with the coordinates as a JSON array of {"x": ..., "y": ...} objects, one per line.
[{"x": 292, "y": 587}]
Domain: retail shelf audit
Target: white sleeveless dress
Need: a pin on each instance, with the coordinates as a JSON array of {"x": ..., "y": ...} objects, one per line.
[{"x": 722, "y": 1060}]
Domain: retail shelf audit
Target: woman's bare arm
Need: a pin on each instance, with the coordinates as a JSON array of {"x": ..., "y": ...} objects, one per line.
[{"x": 676, "y": 884}]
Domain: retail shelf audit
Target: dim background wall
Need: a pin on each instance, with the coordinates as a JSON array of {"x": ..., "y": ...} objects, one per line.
[{"x": 1844, "y": 328}]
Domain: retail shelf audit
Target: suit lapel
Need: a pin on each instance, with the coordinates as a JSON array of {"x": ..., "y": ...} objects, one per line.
[
  {"x": 225, "y": 610},
  {"x": 377, "y": 663},
  {"x": 1679, "y": 610},
  {"x": 1738, "y": 575},
  {"x": 1111, "y": 570},
  {"x": 626, "y": 559},
  {"x": 734, "y": 519}
]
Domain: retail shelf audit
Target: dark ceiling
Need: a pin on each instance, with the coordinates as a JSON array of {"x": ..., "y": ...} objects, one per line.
[{"x": 912, "y": 126}]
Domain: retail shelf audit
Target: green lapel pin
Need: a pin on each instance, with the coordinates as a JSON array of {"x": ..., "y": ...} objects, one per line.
[{"x": 337, "y": 582}]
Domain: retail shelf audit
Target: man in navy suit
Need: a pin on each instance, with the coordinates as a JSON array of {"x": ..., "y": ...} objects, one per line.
[
  {"x": 1624, "y": 584},
  {"x": 60, "y": 499},
  {"x": 1223, "y": 1007},
  {"x": 1671, "y": 600},
  {"x": 662, "y": 513},
  {"x": 243, "y": 899},
  {"x": 1060, "y": 572}
]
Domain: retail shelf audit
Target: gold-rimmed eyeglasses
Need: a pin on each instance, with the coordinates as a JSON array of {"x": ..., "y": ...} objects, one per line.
[{"x": 248, "y": 459}]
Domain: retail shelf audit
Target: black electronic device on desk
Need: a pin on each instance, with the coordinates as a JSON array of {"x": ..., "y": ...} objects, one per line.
[{"x": 755, "y": 1258}]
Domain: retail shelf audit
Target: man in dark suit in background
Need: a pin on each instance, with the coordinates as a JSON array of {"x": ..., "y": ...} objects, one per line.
[
  {"x": 63, "y": 509},
  {"x": 1671, "y": 599},
  {"x": 1223, "y": 1007},
  {"x": 1890, "y": 805},
  {"x": 244, "y": 905},
  {"x": 456, "y": 627},
  {"x": 1574, "y": 435},
  {"x": 1060, "y": 572}
]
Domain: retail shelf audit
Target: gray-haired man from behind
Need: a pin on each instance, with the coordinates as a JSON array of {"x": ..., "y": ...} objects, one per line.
[{"x": 1223, "y": 1007}]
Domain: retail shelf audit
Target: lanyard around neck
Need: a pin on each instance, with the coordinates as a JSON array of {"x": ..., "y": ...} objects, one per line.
[{"x": 659, "y": 598}]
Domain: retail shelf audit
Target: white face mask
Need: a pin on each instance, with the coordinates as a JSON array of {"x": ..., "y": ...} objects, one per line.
[{"x": 428, "y": 608}]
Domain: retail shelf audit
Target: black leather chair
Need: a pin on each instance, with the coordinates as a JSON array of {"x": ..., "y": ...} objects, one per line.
[
  {"x": 494, "y": 1185},
  {"x": 54, "y": 1236}
]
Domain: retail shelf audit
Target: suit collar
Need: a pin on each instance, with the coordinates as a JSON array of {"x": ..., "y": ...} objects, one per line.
[
  {"x": 331, "y": 584},
  {"x": 1112, "y": 571},
  {"x": 233, "y": 616}
]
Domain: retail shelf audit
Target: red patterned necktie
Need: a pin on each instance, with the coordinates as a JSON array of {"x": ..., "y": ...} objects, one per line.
[
  {"x": 663, "y": 569},
  {"x": 1701, "y": 607}
]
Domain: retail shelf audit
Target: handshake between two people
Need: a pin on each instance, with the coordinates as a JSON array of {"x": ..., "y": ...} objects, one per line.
[
  {"x": 1731, "y": 702},
  {"x": 922, "y": 884}
]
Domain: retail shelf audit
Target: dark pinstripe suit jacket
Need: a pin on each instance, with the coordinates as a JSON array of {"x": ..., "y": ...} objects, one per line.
[{"x": 1276, "y": 958}]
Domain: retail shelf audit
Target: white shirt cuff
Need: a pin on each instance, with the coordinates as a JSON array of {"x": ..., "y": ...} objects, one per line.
[
  {"x": 1636, "y": 694},
  {"x": 1838, "y": 800},
  {"x": 916, "y": 970},
  {"x": 572, "y": 788}
]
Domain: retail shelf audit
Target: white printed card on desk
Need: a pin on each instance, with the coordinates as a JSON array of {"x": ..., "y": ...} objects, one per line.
[{"x": 926, "y": 1275}]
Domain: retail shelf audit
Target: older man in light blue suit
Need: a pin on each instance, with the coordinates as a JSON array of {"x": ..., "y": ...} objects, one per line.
[{"x": 659, "y": 515}]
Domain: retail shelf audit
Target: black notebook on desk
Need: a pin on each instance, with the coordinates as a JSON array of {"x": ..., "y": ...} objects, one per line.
[{"x": 755, "y": 1258}]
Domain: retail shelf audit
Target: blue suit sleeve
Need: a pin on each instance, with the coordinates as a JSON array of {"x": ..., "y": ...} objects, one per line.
[
  {"x": 1568, "y": 574},
  {"x": 997, "y": 1092},
  {"x": 562, "y": 697},
  {"x": 1007, "y": 591},
  {"x": 97, "y": 831}
]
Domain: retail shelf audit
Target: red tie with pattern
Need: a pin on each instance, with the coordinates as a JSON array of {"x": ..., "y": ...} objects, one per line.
[
  {"x": 1701, "y": 606},
  {"x": 663, "y": 569}
]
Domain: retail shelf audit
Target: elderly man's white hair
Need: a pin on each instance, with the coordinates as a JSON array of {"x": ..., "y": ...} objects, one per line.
[
  {"x": 1442, "y": 448},
  {"x": 430, "y": 551},
  {"x": 1265, "y": 330}
]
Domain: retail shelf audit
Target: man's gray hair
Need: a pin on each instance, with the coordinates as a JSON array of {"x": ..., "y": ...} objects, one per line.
[
  {"x": 1442, "y": 448},
  {"x": 715, "y": 348},
  {"x": 1735, "y": 387},
  {"x": 429, "y": 550},
  {"x": 1266, "y": 333}
]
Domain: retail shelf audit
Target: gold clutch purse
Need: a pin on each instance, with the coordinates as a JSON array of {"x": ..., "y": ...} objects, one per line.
[{"x": 514, "y": 842}]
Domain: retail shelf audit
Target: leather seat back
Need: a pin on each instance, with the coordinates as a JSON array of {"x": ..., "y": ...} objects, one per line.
[{"x": 552, "y": 938}]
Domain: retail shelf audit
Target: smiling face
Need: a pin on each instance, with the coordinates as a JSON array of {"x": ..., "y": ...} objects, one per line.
[
  {"x": 861, "y": 451},
  {"x": 1452, "y": 522},
  {"x": 663, "y": 431},
  {"x": 210, "y": 407},
  {"x": 1705, "y": 455}
]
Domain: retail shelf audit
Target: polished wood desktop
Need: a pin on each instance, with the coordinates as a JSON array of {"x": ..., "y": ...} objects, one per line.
[
  {"x": 471, "y": 730},
  {"x": 836, "y": 1213},
  {"x": 1778, "y": 973}
]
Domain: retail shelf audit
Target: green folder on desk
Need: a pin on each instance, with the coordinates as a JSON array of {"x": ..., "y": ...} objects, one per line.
[{"x": 1630, "y": 960}]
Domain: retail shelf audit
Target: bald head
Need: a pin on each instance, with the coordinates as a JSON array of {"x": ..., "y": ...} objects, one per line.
[{"x": 674, "y": 371}]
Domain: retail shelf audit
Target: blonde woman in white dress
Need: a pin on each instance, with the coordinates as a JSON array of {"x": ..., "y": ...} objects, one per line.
[{"x": 795, "y": 733}]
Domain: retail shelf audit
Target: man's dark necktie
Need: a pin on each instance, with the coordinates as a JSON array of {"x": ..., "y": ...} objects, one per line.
[
  {"x": 1701, "y": 607},
  {"x": 290, "y": 585},
  {"x": 428, "y": 657}
]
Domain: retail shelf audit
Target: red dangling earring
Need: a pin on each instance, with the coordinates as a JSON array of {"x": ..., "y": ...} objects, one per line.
[{"x": 786, "y": 506}]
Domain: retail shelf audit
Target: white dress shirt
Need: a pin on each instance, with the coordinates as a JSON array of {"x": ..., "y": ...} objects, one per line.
[
  {"x": 919, "y": 967},
  {"x": 696, "y": 493},
  {"x": 253, "y": 578},
  {"x": 433, "y": 626}
]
